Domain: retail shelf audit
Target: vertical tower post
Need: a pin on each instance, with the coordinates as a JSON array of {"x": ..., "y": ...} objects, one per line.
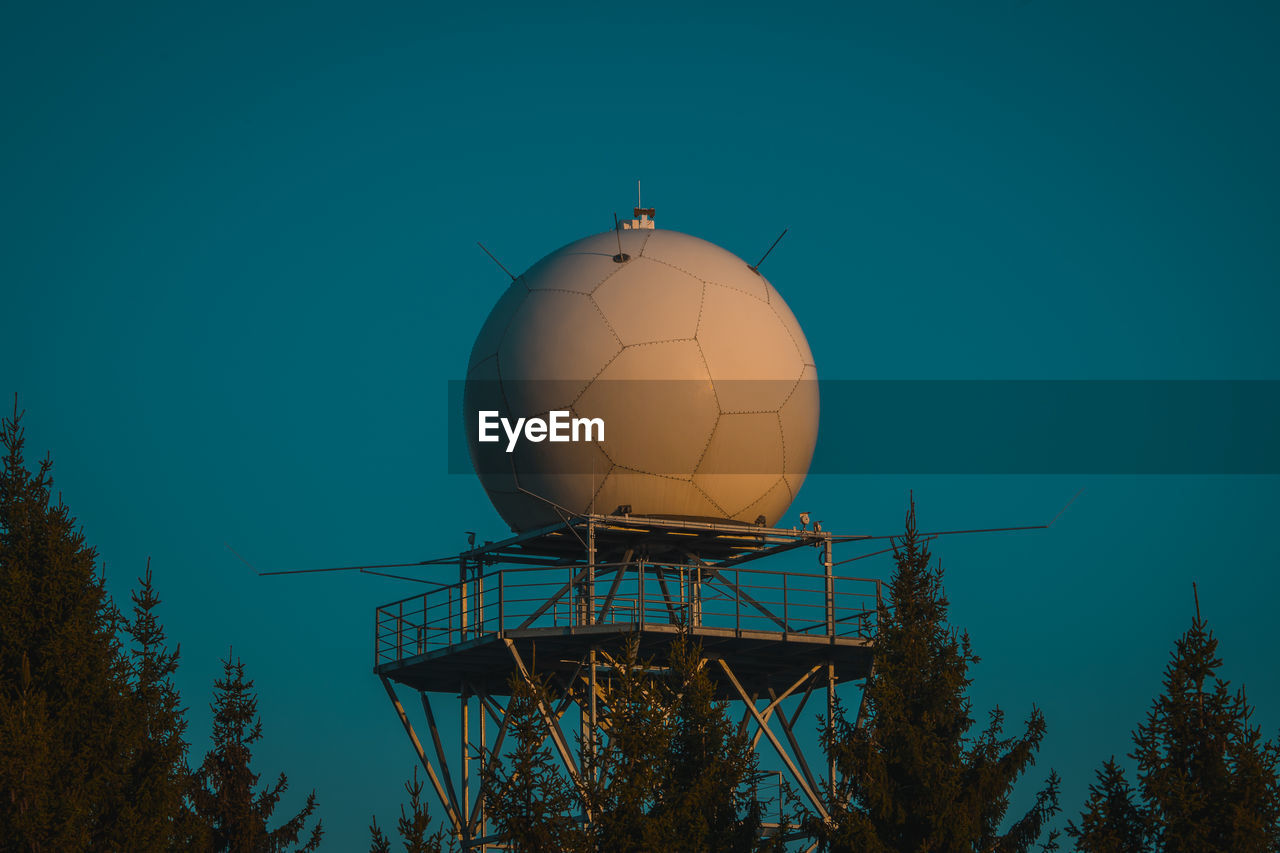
[
  {"x": 829, "y": 580},
  {"x": 591, "y": 570},
  {"x": 466, "y": 764},
  {"x": 462, "y": 596},
  {"x": 831, "y": 726},
  {"x": 480, "y": 794},
  {"x": 827, "y": 564}
]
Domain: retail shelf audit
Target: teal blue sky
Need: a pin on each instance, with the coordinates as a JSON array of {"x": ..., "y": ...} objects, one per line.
[{"x": 239, "y": 268}]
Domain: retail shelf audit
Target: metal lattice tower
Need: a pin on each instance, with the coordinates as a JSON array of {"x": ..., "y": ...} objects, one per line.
[{"x": 577, "y": 590}]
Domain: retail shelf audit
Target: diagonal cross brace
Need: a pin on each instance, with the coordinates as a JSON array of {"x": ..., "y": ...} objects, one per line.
[
  {"x": 777, "y": 745},
  {"x": 551, "y": 602},
  {"x": 446, "y": 799},
  {"x": 715, "y": 575},
  {"x": 553, "y": 725}
]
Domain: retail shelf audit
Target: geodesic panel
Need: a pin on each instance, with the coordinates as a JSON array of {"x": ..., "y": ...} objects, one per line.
[
  {"x": 705, "y": 261},
  {"x": 790, "y": 323},
  {"x": 495, "y": 325},
  {"x": 567, "y": 474},
  {"x": 554, "y": 345},
  {"x": 742, "y": 461},
  {"x": 799, "y": 419},
  {"x": 749, "y": 353},
  {"x": 646, "y": 301},
  {"x": 772, "y": 505},
  {"x": 658, "y": 407}
]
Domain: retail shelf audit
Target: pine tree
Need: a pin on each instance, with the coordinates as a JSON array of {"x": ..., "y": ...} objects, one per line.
[
  {"x": 704, "y": 803},
  {"x": 65, "y": 733},
  {"x": 671, "y": 772},
  {"x": 414, "y": 825},
  {"x": 631, "y": 766},
  {"x": 1206, "y": 780},
  {"x": 531, "y": 801},
  {"x": 223, "y": 794},
  {"x": 912, "y": 777},
  {"x": 1112, "y": 821},
  {"x": 153, "y": 813},
  {"x": 378, "y": 841}
]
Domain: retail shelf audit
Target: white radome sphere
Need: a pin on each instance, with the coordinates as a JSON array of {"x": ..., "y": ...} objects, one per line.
[{"x": 693, "y": 360}]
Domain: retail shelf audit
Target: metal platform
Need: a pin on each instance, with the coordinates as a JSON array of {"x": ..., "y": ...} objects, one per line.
[{"x": 560, "y": 601}]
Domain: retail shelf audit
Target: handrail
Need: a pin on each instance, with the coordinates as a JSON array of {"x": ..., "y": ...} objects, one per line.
[{"x": 530, "y": 597}]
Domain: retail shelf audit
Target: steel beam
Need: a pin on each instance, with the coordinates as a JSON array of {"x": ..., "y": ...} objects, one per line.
[
  {"x": 795, "y": 747},
  {"x": 444, "y": 765},
  {"x": 553, "y": 725},
  {"x": 814, "y": 800},
  {"x": 446, "y": 799}
]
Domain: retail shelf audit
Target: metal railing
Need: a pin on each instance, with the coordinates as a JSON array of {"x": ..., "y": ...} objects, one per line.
[{"x": 635, "y": 594}]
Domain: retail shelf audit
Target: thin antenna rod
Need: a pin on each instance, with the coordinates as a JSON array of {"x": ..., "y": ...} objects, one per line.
[
  {"x": 1065, "y": 508},
  {"x": 495, "y": 260},
  {"x": 930, "y": 533},
  {"x": 238, "y": 557},
  {"x": 437, "y": 562},
  {"x": 638, "y": 204},
  {"x": 756, "y": 268},
  {"x": 927, "y": 540},
  {"x": 402, "y": 577},
  {"x": 1195, "y": 592},
  {"x": 617, "y": 232}
]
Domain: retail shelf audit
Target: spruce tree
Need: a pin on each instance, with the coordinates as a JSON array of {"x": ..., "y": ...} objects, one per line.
[
  {"x": 912, "y": 777},
  {"x": 632, "y": 764},
  {"x": 153, "y": 812},
  {"x": 1206, "y": 780},
  {"x": 66, "y": 737},
  {"x": 414, "y": 825},
  {"x": 704, "y": 802},
  {"x": 378, "y": 841},
  {"x": 531, "y": 801},
  {"x": 1112, "y": 821},
  {"x": 671, "y": 772},
  {"x": 223, "y": 794}
]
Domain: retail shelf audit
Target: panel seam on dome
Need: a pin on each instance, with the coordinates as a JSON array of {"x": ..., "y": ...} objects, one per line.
[
  {"x": 710, "y": 376},
  {"x": 586, "y": 293},
  {"x": 787, "y": 326},
  {"x": 621, "y": 349},
  {"x": 737, "y": 290},
  {"x": 502, "y": 334},
  {"x": 600, "y": 446},
  {"x": 749, "y": 411},
  {"x": 612, "y": 331},
  {"x": 710, "y": 434},
  {"x": 712, "y": 501},
  {"x": 792, "y": 392},
  {"x": 767, "y": 492},
  {"x": 600, "y": 488},
  {"x": 694, "y": 275},
  {"x": 636, "y": 470},
  {"x": 702, "y": 300},
  {"x": 472, "y": 368},
  {"x": 782, "y": 431},
  {"x": 692, "y": 339},
  {"x": 618, "y": 267}
]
